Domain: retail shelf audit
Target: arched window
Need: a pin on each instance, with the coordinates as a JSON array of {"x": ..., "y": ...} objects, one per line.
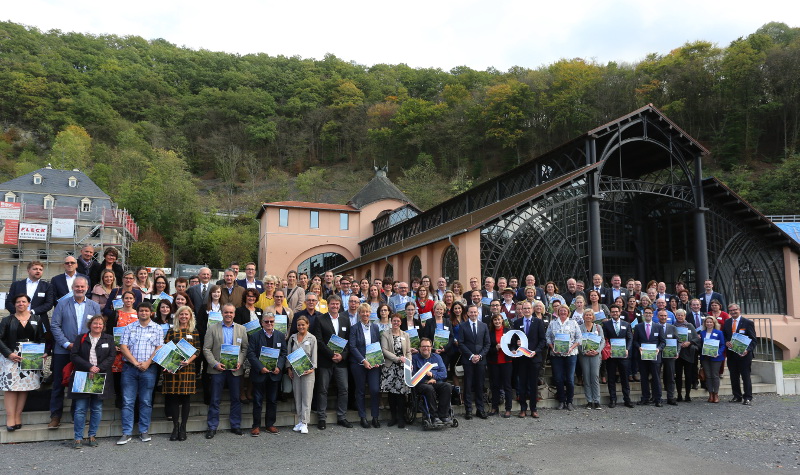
[
  {"x": 368, "y": 276},
  {"x": 389, "y": 271},
  {"x": 320, "y": 263},
  {"x": 450, "y": 264},
  {"x": 415, "y": 268}
]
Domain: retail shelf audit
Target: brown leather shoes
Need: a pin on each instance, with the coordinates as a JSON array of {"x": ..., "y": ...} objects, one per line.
[
  {"x": 535, "y": 414},
  {"x": 522, "y": 414},
  {"x": 255, "y": 431},
  {"x": 55, "y": 422},
  {"x": 272, "y": 430}
]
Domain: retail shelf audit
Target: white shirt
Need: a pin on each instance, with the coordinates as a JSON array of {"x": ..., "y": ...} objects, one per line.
[
  {"x": 367, "y": 334},
  {"x": 30, "y": 287},
  {"x": 70, "y": 279}
]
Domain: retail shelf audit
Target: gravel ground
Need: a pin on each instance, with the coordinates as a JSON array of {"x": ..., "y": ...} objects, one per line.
[{"x": 701, "y": 437}]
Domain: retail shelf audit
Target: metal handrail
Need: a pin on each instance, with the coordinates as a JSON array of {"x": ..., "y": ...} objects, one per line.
[{"x": 765, "y": 346}]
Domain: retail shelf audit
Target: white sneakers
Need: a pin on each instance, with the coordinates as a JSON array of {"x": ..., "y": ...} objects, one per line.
[{"x": 301, "y": 428}]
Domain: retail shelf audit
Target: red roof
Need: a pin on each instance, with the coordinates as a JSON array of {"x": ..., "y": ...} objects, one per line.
[{"x": 309, "y": 205}]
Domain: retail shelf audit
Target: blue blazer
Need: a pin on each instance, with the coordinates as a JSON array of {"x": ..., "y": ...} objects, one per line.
[
  {"x": 64, "y": 323},
  {"x": 656, "y": 336},
  {"x": 243, "y": 283},
  {"x": 714, "y": 296},
  {"x": 60, "y": 287},
  {"x": 256, "y": 341},
  {"x": 357, "y": 343},
  {"x": 715, "y": 335}
]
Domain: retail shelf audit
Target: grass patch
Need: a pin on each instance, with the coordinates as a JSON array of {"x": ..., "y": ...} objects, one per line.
[{"x": 791, "y": 366}]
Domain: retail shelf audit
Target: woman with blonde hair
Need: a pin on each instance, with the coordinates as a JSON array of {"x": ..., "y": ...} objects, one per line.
[{"x": 179, "y": 387}]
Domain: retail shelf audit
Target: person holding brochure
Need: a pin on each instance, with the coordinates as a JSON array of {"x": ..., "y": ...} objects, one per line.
[
  {"x": 178, "y": 387},
  {"x": 332, "y": 363},
  {"x": 563, "y": 338},
  {"x": 712, "y": 356},
  {"x": 591, "y": 349},
  {"x": 411, "y": 319},
  {"x": 439, "y": 322},
  {"x": 93, "y": 353},
  {"x": 69, "y": 321},
  {"x": 363, "y": 334},
  {"x": 110, "y": 309},
  {"x": 396, "y": 346},
  {"x": 617, "y": 365},
  {"x": 434, "y": 388},
  {"x": 139, "y": 344},
  {"x": 222, "y": 339},
  {"x": 650, "y": 333},
  {"x": 500, "y": 366},
  {"x": 739, "y": 362},
  {"x": 474, "y": 346},
  {"x": 303, "y": 383},
  {"x": 528, "y": 368},
  {"x": 688, "y": 345},
  {"x": 247, "y": 313},
  {"x": 265, "y": 381},
  {"x": 667, "y": 363},
  {"x": 21, "y": 326}
]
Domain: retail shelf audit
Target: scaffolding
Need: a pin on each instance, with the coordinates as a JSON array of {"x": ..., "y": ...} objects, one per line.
[{"x": 100, "y": 227}]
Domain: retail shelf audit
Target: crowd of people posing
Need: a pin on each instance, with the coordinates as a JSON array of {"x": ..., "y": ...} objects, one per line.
[{"x": 248, "y": 335}]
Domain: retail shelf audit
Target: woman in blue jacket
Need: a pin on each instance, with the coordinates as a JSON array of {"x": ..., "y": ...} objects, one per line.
[{"x": 710, "y": 364}]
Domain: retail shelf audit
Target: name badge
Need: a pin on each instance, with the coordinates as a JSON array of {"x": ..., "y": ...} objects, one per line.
[
  {"x": 33, "y": 322},
  {"x": 623, "y": 327},
  {"x": 343, "y": 329},
  {"x": 189, "y": 337},
  {"x": 669, "y": 335},
  {"x": 239, "y": 340},
  {"x": 104, "y": 345},
  {"x": 416, "y": 326},
  {"x": 603, "y": 296},
  {"x": 307, "y": 343},
  {"x": 402, "y": 338},
  {"x": 277, "y": 345},
  {"x": 40, "y": 294},
  {"x": 741, "y": 331},
  {"x": 656, "y": 334},
  {"x": 538, "y": 298}
]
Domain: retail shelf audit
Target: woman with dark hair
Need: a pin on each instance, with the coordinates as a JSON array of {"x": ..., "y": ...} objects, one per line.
[
  {"x": 499, "y": 368},
  {"x": 212, "y": 304},
  {"x": 384, "y": 313},
  {"x": 128, "y": 279},
  {"x": 427, "y": 283},
  {"x": 110, "y": 257},
  {"x": 601, "y": 312},
  {"x": 248, "y": 311},
  {"x": 164, "y": 312},
  {"x": 396, "y": 346},
  {"x": 411, "y": 319},
  {"x": 374, "y": 298},
  {"x": 424, "y": 303},
  {"x": 160, "y": 285},
  {"x": 181, "y": 299},
  {"x": 123, "y": 317},
  {"x": 16, "y": 329},
  {"x": 94, "y": 353}
]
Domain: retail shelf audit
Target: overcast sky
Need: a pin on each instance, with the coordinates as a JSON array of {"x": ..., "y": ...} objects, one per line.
[{"x": 420, "y": 33}]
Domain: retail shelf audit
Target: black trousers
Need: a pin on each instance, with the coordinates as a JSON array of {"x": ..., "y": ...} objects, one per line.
[
  {"x": 650, "y": 374},
  {"x": 739, "y": 367},
  {"x": 687, "y": 369},
  {"x": 528, "y": 388},
  {"x": 500, "y": 380},
  {"x": 474, "y": 377},
  {"x": 437, "y": 396},
  {"x": 619, "y": 366}
]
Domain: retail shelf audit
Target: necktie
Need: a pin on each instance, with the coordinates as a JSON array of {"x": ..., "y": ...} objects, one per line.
[
  {"x": 527, "y": 325},
  {"x": 474, "y": 328},
  {"x": 696, "y": 319},
  {"x": 647, "y": 330},
  {"x": 616, "y": 326},
  {"x": 733, "y": 327},
  {"x": 204, "y": 292}
]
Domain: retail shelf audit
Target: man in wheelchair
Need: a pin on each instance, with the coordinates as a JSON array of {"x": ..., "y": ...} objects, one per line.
[{"x": 434, "y": 388}]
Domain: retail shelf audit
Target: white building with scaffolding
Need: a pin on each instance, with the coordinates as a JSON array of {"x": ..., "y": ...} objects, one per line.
[{"x": 59, "y": 211}]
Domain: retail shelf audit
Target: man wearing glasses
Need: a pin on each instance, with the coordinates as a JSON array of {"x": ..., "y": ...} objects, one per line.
[
  {"x": 398, "y": 301},
  {"x": 434, "y": 387},
  {"x": 250, "y": 282},
  {"x": 62, "y": 283},
  {"x": 310, "y": 312},
  {"x": 266, "y": 382}
]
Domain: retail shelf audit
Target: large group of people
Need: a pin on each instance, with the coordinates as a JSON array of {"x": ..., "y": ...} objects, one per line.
[{"x": 102, "y": 320}]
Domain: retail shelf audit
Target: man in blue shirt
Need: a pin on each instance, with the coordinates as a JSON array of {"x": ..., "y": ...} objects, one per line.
[{"x": 434, "y": 386}]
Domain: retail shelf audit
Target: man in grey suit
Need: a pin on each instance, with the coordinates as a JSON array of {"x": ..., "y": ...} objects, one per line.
[
  {"x": 199, "y": 293},
  {"x": 225, "y": 332},
  {"x": 265, "y": 382},
  {"x": 668, "y": 364},
  {"x": 69, "y": 321},
  {"x": 474, "y": 346}
]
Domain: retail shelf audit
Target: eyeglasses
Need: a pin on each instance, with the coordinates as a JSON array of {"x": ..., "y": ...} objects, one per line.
[
  {"x": 269, "y": 322},
  {"x": 426, "y": 346},
  {"x": 70, "y": 263}
]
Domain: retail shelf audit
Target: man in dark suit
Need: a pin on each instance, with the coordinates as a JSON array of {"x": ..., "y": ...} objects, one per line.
[
  {"x": 530, "y": 281},
  {"x": 474, "y": 346},
  {"x": 709, "y": 295},
  {"x": 62, "y": 283},
  {"x": 572, "y": 291},
  {"x": 265, "y": 383},
  {"x": 310, "y": 312},
  {"x": 474, "y": 284},
  {"x": 489, "y": 292},
  {"x": 616, "y": 290},
  {"x": 39, "y": 291},
  {"x": 527, "y": 368},
  {"x": 649, "y": 332},
  {"x": 668, "y": 364},
  {"x": 484, "y": 311},
  {"x": 69, "y": 321},
  {"x": 199, "y": 293},
  {"x": 86, "y": 261},
  {"x": 250, "y": 281},
  {"x": 739, "y": 365},
  {"x": 331, "y": 365},
  {"x": 231, "y": 293},
  {"x": 364, "y": 333},
  {"x": 618, "y": 367},
  {"x": 597, "y": 284}
]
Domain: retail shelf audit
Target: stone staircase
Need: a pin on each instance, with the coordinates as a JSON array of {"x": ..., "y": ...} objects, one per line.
[{"x": 35, "y": 421}]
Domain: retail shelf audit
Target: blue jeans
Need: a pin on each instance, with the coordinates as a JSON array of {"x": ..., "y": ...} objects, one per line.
[
  {"x": 94, "y": 404},
  {"x": 564, "y": 374},
  {"x": 217, "y": 385},
  {"x": 139, "y": 384}
]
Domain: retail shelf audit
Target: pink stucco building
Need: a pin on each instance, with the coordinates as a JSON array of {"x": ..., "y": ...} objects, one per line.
[{"x": 313, "y": 236}]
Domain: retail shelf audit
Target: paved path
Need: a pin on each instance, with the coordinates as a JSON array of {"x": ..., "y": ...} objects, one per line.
[{"x": 695, "y": 438}]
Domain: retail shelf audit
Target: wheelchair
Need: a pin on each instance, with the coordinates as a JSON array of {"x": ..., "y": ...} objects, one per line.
[{"x": 416, "y": 403}]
